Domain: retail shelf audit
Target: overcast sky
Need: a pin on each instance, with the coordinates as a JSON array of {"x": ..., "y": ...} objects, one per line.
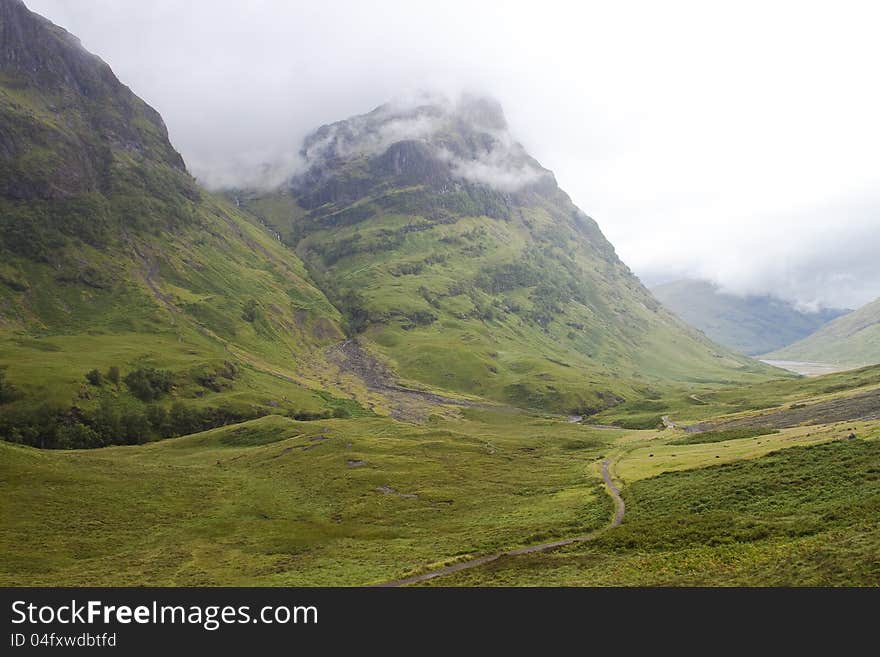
[{"x": 734, "y": 141}]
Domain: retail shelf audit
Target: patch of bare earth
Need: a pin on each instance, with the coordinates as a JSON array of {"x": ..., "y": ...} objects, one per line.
[
  {"x": 863, "y": 407},
  {"x": 406, "y": 403}
]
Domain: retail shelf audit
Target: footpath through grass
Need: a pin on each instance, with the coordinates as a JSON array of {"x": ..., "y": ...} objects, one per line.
[{"x": 801, "y": 516}]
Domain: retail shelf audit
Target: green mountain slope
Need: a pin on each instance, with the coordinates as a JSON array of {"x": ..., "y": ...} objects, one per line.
[
  {"x": 851, "y": 340},
  {"x": 750, "y": 325},
  {"x": 457, "y": 256},
  {"x": 134, "y": 305},
  {"x": 112, "y": 257}
]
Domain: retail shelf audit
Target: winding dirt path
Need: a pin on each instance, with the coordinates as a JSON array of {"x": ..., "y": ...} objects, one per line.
[
  {"x": 619, "y": 510},
  {"x": 614, "y": 491}
]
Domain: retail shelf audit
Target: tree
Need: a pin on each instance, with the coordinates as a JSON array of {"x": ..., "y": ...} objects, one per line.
[
  {"x": 77, "y": 436},
  {"x": 135, "y": 427},
  {"x": 8, "y": 392},
  {"x": 353, "y": 306},
  {"x": 148, "y": 383},
  {"x": 107, "y": 422},
  {"x": 251, "y": 311},
  {"x": 95, "y": 378},
  {"x": 113, "y": 375},
  {"x": 183, "y": 420},
  {"x": 158, "y": 418}
]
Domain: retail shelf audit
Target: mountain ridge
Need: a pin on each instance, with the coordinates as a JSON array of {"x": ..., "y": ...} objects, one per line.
[
  {"x": 116, "y": 264},
  {"x": 752, "y": 325}
]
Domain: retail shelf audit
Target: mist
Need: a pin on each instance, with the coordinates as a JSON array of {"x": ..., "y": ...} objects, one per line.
[{"x": 735, "y": 143}]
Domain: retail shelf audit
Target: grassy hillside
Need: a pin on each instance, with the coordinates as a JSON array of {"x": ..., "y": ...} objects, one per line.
[
  {"x": 800, "y": 516},
  {"x": 852, "y": 340},
  {"x": 182, "y": 311},
  {"x": 280, "y": 502},
  {"x": 220, "y": 307},
  {"x": 457, "y": 257},
  {"x": 750, "y": 325}
]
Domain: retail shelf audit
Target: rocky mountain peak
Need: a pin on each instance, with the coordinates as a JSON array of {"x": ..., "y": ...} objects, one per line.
[{"x": 428, "y": 139}]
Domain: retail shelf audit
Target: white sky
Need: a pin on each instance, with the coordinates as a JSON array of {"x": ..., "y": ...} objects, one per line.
[{"x": 734, "y": 141}]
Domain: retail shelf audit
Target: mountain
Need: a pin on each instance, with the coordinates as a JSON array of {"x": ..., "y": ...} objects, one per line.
[
  {"x": 455, "y": 255},
  {"x": 112, "y": 257},
  {"x": 362, "y": 369},
  {"x": 751, "y": 325},
  {"x": 135, "y": 305},
  {"x": 851, "y": 340}
]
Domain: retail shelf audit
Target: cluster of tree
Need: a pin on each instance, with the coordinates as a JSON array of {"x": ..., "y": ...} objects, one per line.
[
  {"x": 508, "y": 276},
  {"x": 420, "y": 318},
  {"x": 113, "y": 422},
  {"x": 251, "y": 311},
  {"x": 8, "y": 392},
  {"x": 311, "y": 416},
  {"x": 146, "y": 383},
  {"x": 415, "y": 268},
  {"x": 122, "y": 420},
  {"x": 218, "y": 379},
  {"x": 383, "y": 240},
  {"x": 95, "y": 378},
  {"x": 353, "y": 307},
  {"x": 556, "y": 278},
  {"x": 39, "y": 228}
]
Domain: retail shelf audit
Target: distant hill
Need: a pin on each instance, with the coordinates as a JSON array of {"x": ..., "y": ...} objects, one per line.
[
  {"x": 851, "y": 340},
  {"x": 751, "y": 325}
]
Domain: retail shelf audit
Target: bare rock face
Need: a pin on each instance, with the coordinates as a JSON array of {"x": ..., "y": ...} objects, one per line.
[
  {"x": 452, "y": 155},
  {"x": 412, "y": 161}
]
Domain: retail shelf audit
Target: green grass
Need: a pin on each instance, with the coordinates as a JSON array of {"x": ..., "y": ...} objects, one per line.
[
  {"x": 276, "y": 502},
  {"x": 801, "y": 516},
  {"x": 713, "y": 401},
  {"x": 721, "y": 436},
  {"x": 517, "y": 299}
]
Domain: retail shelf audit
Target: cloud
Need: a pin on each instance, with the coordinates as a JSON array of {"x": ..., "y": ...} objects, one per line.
[
  {"x": 359, "y": 136},
  {"x": 262, "y": 169},
  {"x": 823, "y": 256},
  {"x": 489, "y": 154},
  {"x": 495, "y": 172},
  {"x": 503, "y": 167}
]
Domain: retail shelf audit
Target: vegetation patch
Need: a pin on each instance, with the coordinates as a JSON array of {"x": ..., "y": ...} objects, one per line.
[{"x": 721, "y": 436}]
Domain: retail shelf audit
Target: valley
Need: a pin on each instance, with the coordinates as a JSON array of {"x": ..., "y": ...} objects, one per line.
[
  {"x": 412, "y": 361},
  {"x": 805, "y": 368},
  {"x": 348, "y": 502}
]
